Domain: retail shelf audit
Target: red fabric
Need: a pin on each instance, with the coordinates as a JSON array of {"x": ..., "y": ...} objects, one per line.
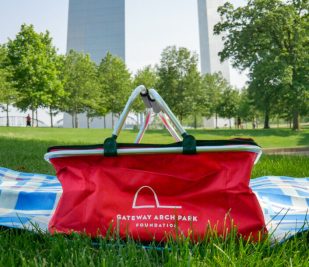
[{"x": 151, "y": 196}]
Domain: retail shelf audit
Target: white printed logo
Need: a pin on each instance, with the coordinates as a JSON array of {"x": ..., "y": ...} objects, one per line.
[{"x": 157, "y": 203}]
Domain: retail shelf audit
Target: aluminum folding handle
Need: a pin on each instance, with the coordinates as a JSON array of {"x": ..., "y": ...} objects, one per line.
[
  {"x": 154, "y": 101},
  {"x": 188, "y": 143},
  {"x": 146, "y": 100},
  {"x": 164, "y": 107},
  {"x": 137, "y": 91}
]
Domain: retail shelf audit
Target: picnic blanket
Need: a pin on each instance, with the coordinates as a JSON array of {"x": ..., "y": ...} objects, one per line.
[{"x": 28, "y": 200}]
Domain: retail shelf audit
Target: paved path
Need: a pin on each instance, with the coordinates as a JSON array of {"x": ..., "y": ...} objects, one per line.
[{"x": 287, "y": 151}]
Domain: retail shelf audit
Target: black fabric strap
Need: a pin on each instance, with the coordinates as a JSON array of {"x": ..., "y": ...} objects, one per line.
[
  {"x": 189, "y": 145},
  {"x": 110, "y": 147}
]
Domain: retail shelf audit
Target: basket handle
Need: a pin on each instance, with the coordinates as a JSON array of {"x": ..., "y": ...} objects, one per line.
[{"x": 153, "y": 101}]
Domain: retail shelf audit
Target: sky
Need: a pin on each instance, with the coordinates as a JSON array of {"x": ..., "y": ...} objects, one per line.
[{"x": 151, "y": 25}]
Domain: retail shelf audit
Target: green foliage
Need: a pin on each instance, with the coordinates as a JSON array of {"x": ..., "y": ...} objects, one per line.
[
  {"x": 35, "y": 68},
  {"x": 267, "y": 88},
  {"x": 179, "y": 80},
  {"x": 270, "y": 37},
  {"x": 146, "y": 76},
  {"x": 212, "y": 88},
  {"x": 80, "y": 84},
  {"x": 229, "y": 103},
  {"x": 114, "y": 82},
  {"x": 8, "y": 93},
  {"x": 246, "y": 110}
]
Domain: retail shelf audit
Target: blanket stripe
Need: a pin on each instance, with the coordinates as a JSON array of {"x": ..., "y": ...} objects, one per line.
[
  {"x": 28, "y": 200},
  {"x": 285, "y": 204}
]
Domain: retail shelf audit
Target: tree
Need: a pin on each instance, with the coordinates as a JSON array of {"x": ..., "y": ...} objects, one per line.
[
  {"x": 146, "y": 76},
  {"x": 268, "y": 88},
  {"x": 80, "y": 84},
  {"x": 33, "y": 60},
  {"x": 179, "y": 80},
  {"x": 114, "y": 83},
  {"x": 270, "y": 31},
  {"x": 229, "y": 104},
  {"x": 8, "y": 93},
  {"x": 246, "y": 109},
  {"x": 213, "y": 86}
]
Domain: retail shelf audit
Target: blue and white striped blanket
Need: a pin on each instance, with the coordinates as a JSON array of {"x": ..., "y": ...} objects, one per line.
[{"x": 28, "y": 201}]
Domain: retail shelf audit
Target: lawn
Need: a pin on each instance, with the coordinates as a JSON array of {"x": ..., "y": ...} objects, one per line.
[
  {"x": 265, "y": 138},
  {"x": 23, "y": 149}
]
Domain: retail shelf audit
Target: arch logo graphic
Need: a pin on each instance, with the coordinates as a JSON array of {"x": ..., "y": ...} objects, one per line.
[{"x": 156, "y": 199}]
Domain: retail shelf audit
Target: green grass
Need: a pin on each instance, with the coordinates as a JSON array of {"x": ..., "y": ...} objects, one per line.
[
  {"x": 20, "y": 248},
  {"x": 23, "y": 149},
  {"x": 266, "y": 138}
]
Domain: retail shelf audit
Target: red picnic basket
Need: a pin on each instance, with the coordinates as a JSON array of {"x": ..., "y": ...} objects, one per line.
[{"x": 150, "y": 192}]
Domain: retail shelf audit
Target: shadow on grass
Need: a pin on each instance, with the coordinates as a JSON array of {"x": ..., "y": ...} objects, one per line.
[
  {"x": 304, "y": 141},
  {"x": 25, "y": 155}
]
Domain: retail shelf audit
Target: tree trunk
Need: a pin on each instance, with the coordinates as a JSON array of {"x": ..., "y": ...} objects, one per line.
[
  {"x": 37, "y": 118},
  {"x": 88, "y": 121},
  {"x": 51, "y": 117},
  {"x": 195, "y": 122},
  {"x": 104, "y": 119},
  {"x": 76, "y": 120},
  {"x": 72, "y": 116},
  {"x": 296, "y": 126},
  {"x": 230, "y": 122},
  {"x": 266, "y": 119},
  {"x": 7, "y": 115},
  {"x": 112, "y": 120},
  {"x": 216, "y": 116},
  {"x": 32, "y": 119}
]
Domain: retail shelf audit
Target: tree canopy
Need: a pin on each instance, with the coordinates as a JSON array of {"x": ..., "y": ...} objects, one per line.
[
  {"x": 35, "y": 70},
  {"x": 179, "y": 79},
  {"x": 270, "y": 32},
  {"x": 8, "y": 94},
  {"x": 114, "y": 82},
  {"x": 80, "y": 84},
  {"x": 146, "y": 76}
]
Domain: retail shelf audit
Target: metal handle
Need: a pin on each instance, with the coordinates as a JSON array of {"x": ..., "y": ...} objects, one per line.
[
  {"x": 137, "y": 91},
  {"x": 164, "y": 107},
  {"x": 153, "y": 100},
  {"x": 144, "y": 126},
  {"x": 164, "y": 118},
  {"x": 156, "y": 102}
]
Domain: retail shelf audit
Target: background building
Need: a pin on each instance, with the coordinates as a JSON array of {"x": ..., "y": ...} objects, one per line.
[
  {"x": 96, "y": 27},
  {"x": 210, "y": 44}
]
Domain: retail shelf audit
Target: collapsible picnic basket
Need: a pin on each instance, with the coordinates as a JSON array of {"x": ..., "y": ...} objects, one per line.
[{"x": 149, "y": 192}]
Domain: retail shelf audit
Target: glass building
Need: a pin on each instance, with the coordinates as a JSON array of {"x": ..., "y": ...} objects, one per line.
[{"x": 96, "y": 27}]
